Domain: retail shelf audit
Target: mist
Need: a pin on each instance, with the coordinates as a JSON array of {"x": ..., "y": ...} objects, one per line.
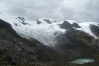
[{"x": 81, "y": 11}]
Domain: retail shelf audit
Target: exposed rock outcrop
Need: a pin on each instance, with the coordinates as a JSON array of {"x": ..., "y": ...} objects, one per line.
[
  {"x": 66, "y": 25},
  {"x": 75, "y": 43},
  {"x": 95, "y": 30},
  {"x": 17, "y": 50},
  {"x": 76, "y": 25}
]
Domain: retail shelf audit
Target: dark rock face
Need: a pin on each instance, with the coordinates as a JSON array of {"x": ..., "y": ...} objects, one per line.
[
  {"x": 6, "y": 25},
  {"x": 38, "y": 22},
  {"x": 17, "y": 50},
  {"x": 74, "y": 38},
  {"x": 76, "y": 25},
  {"x": 22, "y": 20},
  {"x": 66, "y": 25},
  {"x": 75, "y": 43},
  {"x": 47, "y": 20},
  {"x": 95, "y": 29}
]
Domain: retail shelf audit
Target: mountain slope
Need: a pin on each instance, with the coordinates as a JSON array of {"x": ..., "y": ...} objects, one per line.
[
  {"x": 45, "y": 30},
  {"x": 17, "y": 50},
  {"x": 48, "y": 40}
]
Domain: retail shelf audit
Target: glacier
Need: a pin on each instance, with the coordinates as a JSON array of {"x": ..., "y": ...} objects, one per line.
[{"x": 44, "y": 30}]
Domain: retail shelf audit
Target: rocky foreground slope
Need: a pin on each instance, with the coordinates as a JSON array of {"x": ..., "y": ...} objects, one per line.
[
  {"x": 17, "y": 50},
  {"x": 46, "y": 41}
]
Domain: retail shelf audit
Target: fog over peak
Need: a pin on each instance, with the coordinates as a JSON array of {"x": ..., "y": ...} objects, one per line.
[{"x": 78, "y": 10}]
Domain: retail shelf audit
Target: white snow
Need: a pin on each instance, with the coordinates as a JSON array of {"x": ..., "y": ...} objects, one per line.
[
  {"x": 45, "y": 33},
  {"x": 71, "y": 21},
  {"x": 85, "y": 26}
]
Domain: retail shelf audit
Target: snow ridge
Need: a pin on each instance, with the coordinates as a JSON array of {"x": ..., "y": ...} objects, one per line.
[{"x": 44, "y": 30}]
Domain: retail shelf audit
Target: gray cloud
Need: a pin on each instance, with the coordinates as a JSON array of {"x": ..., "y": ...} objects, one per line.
[{"x": 57, "y": 9}]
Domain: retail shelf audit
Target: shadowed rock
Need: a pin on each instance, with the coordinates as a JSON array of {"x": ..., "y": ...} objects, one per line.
[
  {"x": 66, "y": 25},
  {"x": 38, "y": 22},
  {"x": 95, "y": 29},
  {"x": 47, "y": 20},
  {"x": 17, "y": 50},
  {"x": 76, "y": 25}
]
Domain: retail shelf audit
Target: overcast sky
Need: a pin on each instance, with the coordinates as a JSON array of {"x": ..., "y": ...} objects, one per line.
[{"x": 79, "y": 10}]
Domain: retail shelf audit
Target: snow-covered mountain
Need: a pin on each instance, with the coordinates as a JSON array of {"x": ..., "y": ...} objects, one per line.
[
  {"x": 46, "y": 30},
  {"x": 70, "y": 40}
]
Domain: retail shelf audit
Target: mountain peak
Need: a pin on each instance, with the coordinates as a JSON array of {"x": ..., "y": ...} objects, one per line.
[
  {"x": 45, "y": 21},
  {"x": 46, "y": 30}
]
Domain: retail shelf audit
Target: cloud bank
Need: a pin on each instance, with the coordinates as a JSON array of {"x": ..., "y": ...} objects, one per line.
[{"x": 78, "y": 10}]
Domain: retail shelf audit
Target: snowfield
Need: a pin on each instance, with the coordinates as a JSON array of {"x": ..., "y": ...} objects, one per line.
[{"x": 44, "y": 30}]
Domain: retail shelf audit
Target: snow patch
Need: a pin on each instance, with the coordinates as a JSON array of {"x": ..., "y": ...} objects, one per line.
[
  {"x": 45, "y": 33},
  {"x": 85, "y": 26},
  {"x": 71, "y": 21}
]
